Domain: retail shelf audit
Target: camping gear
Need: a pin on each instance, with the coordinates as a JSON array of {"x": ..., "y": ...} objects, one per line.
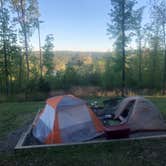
[
  {"x": 66, "y": 119},
  {"x": 140, "y": 114},
  {"x": 111, "y": 122},
  {"x": 117, "y": 131},
  {"x": 110, "y": 105}
]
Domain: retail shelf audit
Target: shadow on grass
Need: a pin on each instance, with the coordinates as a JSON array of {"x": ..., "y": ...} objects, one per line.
[{"x": 148, "y": 152}]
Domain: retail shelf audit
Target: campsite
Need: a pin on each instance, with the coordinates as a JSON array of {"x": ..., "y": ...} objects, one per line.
[
  {"x": 150, "y": 152},
  {"x": 68, "y": 120},
  {"x": 82, "y": 82}
]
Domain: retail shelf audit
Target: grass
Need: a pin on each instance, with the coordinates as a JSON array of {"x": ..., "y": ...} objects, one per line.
[
  {"x": 136, "y": 153},
  {"x": 147, "y": 152},
  {"x": 160, "y": 103},
  {"x": 14, "y": 115}
]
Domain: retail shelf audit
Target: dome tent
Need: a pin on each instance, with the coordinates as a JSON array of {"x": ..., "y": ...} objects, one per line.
[
  {"x": 66, "y": 119},
  {"x": 140, "y": 114}
]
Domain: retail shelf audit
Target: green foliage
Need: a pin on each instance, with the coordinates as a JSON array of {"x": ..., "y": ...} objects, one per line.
[
  {"x": 43, "y": 86},
  {"x": 48, "y": 55},
  {"x": 107, "y": 75},
  {"x": 144, "y": 65},
  {"x": 27, "y": 12},
  {"x": 123, "y": 19},
  {"x": 116, "y": 15}
]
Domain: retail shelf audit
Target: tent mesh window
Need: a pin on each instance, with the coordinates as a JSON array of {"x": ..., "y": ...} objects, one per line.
[{"x": 128, "y": 109}]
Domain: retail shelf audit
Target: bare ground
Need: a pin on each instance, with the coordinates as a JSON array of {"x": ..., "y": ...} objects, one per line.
[{"x": 8, "y": 142}]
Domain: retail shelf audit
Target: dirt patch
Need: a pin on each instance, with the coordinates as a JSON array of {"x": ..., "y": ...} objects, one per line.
[{"x": 8, "y": 143}]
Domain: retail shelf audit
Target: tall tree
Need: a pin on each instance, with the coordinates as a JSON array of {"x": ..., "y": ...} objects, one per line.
[
  {"x": 38, "y": 22},
  {"x": 159, "y": 14},
  {"x": 27, "y": 13},
  {"x": 154, "y": 45},
  {"x": 8, "y": 37},
  {"x": 139, "y": 35},
  {"x": 48, "y": 55},
  {"x": 4, "y": 24},
  {"x": 122, "y": 20}
]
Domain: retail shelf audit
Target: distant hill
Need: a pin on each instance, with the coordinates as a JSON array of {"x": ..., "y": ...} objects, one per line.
[
  {"x": 63, "y": 58},
  {"x": 74, "y": 53}
]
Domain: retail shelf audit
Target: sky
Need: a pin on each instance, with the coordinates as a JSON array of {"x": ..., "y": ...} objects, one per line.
[{"x": 77, "y": 25}]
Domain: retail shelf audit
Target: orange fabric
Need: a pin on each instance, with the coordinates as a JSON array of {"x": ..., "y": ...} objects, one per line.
[
  {"x": 97, "y": 123},
  {"x": 54, "y": 137},
  {"x": 54, "y": 101}
]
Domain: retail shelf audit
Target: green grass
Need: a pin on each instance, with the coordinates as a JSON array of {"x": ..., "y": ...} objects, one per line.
[
  {"x": 137, "y": 153},
  {"x": 14, "y": 115},
  {"x": 147, "y": 152},
  {"x": 160, "y": 103}
]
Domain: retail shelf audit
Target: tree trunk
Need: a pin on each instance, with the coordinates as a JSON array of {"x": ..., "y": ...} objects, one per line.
[
  {"x": 5, "y": 52},
  {"x": 164, "y": 72},
  {"x": 40, "y": 52},
  {"x": 164, "y": 77},
  {"x": 26, "y": 54},
  {"x": 1, "y": 85},
  {"x": 123, "y": 50},
  {"x": 140, "y": 62},
  {"x": 6, "y": 68},
  {"x": 20, "y": 72},
  {"x": 154, "y": 54},
  {"x": 24, "y": 28},
  {"x": 154, "y": 64}
]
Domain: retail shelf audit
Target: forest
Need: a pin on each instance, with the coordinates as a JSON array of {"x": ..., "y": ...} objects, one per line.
[{"x": 136, "y": 62}]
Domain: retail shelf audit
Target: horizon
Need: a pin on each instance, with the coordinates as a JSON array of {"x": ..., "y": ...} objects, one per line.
[{"x": 86, "y": 51}]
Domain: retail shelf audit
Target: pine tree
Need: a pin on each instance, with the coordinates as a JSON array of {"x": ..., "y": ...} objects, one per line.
[
  {"x": 7, "y": 37},
  {"x": 139, "y": 36},
  {"x": 48, "y": 54},
  {"x": 159, "y": 15},
  {"x": 122, "y": 21}
]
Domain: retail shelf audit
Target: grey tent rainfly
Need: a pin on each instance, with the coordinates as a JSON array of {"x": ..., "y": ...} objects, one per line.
[{"x": 140, "y": 114}]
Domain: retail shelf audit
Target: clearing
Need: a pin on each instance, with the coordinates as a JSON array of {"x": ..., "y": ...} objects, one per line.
[{"x": 15, "y": 118}]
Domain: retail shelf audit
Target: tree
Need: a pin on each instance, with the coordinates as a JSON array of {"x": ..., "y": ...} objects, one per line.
[
  {"x": 48, "y": 55},
  {"x": 122, "y": 20},
  {"x": 154, "y": 45},
  {"x": 27, "y": 13},
  {"x": 159, "y": 14},
  {"x": 37, "y": 24},
  {"x": 139, "y": 35},
  {"x": 107, "y": 77},
  {"x": 4, "y": 24},
  {"x": 8, "y": 37}
]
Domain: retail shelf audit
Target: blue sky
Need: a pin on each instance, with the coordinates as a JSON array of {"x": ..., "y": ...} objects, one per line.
[{"x": 76, "y": 24}]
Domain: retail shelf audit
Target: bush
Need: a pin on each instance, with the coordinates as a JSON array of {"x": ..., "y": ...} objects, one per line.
[{"x": 43, "y": 86}]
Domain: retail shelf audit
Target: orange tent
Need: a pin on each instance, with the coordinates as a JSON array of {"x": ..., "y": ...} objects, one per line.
[{"x": 66, "y": 119}]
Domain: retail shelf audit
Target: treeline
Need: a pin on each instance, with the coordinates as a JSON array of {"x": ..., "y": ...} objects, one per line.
[
  {"x": 19, "y": 67},
  {"x": 105, "y": 71},
  {"x": 142, "y": 66},
  {"x": 126, "y": 26}
]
